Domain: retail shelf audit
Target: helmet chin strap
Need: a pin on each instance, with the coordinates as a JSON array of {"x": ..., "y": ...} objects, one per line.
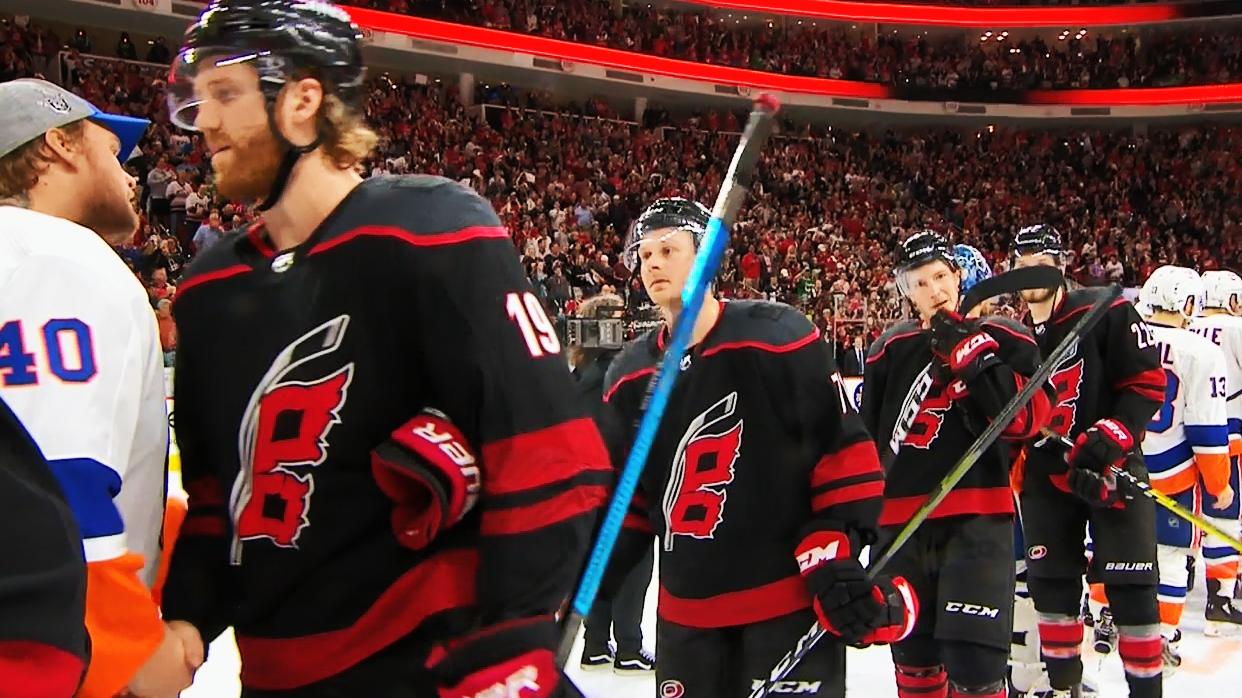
[{"x": 292, "y": 153}]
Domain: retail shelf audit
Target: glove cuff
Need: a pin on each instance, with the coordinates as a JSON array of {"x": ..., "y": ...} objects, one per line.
[
  {"x": 1116, "y": 432},
  {"x": 487, "y": 649},
  {"x": 824, "y": 542},
  {"x": 976, "y": 352}
]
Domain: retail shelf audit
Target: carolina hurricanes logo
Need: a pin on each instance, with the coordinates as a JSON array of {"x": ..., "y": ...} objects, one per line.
[
  {"x": 695, "y": 496},
  {"x": 1068, "y": 385},
  {"x": 284, "y": 433}
]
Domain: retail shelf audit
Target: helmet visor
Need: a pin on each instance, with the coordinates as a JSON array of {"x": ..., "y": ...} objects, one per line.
[{"x": 187, "y": 94}]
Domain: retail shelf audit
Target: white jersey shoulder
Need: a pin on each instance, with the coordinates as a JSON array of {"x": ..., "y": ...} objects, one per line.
[
  {"x": 1225, "y": 331},
  {"x": 1192, "y": 421},
  {"x": 81, "y": 366}
]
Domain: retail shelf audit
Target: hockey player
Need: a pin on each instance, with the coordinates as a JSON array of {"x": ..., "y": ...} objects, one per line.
[
  {"x": 1188, "y": 439},
  {"x": 930, "y": 387},
  {"x": 1102, "y": 404},
  {"x": 81, "y": 365},
  {"x": 391, "y": 483},
  {"x": 1220, "y": 324},
  {"x": 761, "y": 486},
  {"x": 43, "y": 641}
]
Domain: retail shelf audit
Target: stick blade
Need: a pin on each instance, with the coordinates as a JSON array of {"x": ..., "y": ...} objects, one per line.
[{"x": 1012, "y": 281}]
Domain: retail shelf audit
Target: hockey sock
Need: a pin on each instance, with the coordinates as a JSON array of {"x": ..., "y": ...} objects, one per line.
[
  {"x": 996, "y": 690},
  {"x": 1140, "y": 647},
  {"x": 921, "y": 682},
  {"x": 1098, "y": 595},
  {"x": 1060, "y": 640},
  {"x": 1171, "y": 593},
  {"x": 1222, "y": 560}
]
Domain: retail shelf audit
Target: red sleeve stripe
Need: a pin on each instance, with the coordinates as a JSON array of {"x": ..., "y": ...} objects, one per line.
[
  {"x": 1021, "y": 336},
  {"x": 564, "y": 506},
  {"x": 538, "y": 458},
  {"x": 626, "y": 379},
  {"x": 1030, "y": 419},
  {"x": 845, "y": 495},
  {"x": 453, "y": 237},
  {"x": 209, "y": 526},
  {"x": 856, "y": 459},
  {"x": 887, "y": 344},
  {"x": 1085, "y": 308},
  {"x": 207, "y": 277},
  {"x": 1147, "y": 384},
  {"x": 30, "y": 669},
  {"x": 764, "y": 346},
  {"x": 636, "y": 522}
]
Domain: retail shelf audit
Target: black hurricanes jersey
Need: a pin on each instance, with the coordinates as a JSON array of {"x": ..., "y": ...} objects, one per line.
[
  {"x": 1113, "y": 372},
  {"x": 923, "y": 420},
  {"x": 293, "y": 366},
  {"x": 758, "y": 438}
]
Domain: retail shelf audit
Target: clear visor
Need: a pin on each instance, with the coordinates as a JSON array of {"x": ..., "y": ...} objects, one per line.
[
  {"x": 186, "y": 98},
  {"x": 640, "y": 235}
]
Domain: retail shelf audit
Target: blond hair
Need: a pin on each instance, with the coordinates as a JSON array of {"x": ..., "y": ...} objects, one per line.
[
  {"x": 347, "y": 140},
  {"x": 20, "y": 170}
]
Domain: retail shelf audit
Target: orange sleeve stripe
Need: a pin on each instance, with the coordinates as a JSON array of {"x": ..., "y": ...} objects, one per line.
[
  {"x": 174, "y": 516},
  {"x": 1214, "y": 467},
  {"x": 123, "y": 622}
]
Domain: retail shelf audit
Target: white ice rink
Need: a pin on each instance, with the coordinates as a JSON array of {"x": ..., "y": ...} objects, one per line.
[{"x": 1211, "y": 668}]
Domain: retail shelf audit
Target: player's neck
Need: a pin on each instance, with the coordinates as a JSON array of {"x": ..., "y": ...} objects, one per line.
[
  {"x": 708, "y": 314},
  {"x": 1040, "y": 312},
  {"x": 1210, "y": 312},
  {"x": 315, "y": 188},
  {"x": 1161, "y": 317}
]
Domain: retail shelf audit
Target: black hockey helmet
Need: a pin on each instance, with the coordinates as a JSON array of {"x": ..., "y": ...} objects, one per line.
[
  {"x": 681, "y": 214},
  {"x": 1040, "y": 238},
  {"x": 283, "y": 40},
  {"x": 921, "y": 248}
]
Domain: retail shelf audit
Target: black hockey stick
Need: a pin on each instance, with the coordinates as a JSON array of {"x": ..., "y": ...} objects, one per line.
[
  {"x": 660, "y": 386},
  {"x": 1159, "y": 497},
  {"x": 1012, "y": 281},
  {"x": 954, "y": 476}
]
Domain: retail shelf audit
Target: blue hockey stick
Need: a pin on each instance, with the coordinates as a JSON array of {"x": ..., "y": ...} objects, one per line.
[{"x": 706, "y": 262}]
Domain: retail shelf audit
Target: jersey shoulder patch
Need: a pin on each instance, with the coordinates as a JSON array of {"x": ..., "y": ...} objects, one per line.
[{"x": 902, "y": 330}]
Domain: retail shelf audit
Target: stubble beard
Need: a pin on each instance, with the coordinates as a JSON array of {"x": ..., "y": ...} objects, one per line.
[{"x": 252, "y": 168}]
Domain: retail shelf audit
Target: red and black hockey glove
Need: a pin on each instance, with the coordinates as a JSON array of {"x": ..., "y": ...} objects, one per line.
[
  {"x": 848, "y": 604},
  {"x": 430, "y": 473},
  {"x": 1097, "y": 489},
  {"x": 513, "y": 659},
  {"x": 1105, "y": 443},
  {"x": 962, "y": 345}
]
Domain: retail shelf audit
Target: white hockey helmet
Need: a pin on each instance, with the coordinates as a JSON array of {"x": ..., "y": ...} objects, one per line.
[
  {"x": 1222, "y": 289},
  {"x": 1172, "y": 289}
]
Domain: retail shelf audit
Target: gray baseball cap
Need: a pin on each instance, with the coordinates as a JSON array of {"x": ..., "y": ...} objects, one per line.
[{"x": 32, "y": 107}]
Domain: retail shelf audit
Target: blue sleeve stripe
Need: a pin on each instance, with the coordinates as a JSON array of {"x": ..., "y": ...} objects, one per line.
[
  {"x": 89, "y": 488},
  {"x": 1160, "y": 462},
  {"x": 1209, "y": 435},
  {"x": 1235, "y": 425}
]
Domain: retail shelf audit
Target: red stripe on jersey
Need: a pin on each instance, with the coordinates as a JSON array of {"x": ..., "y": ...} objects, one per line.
[
  {"x": 566, "y": 505},
  {"x": 894, "y": 338},
  {"x": 31, "y": 669},
  {"x": 537, "y": 458},
  {"x": 1148, "y": 384},
  {"x": 627, "y": 378},
  {"x": 637, "y": 522},
  {"x": 255, "y": 233},
  {"x": 210, "y": 276},
  {"x": 204, "y": 526},
  {"x": 853, "y": 460},
  {"x": 764, "y": 346},
  {"x": 1020, "y": 336},
  {"x": 204, "y": 492},
  {"x": 762, "y": 603},
  {"x": 1031, "y": 418},
  {"x": 1082, "y": 309},
  {"x": 440, "y": 583},
  {"x": 453, "y": 237},
  {"x": 845, "y": 495},
  {"x": 960, "y": 502}
]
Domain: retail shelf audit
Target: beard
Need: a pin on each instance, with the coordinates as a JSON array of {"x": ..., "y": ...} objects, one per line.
[
  {"x": 1039, "y": 295},
  {"x": 109, "y": 213},
  {"x": 250, "y": 166}
]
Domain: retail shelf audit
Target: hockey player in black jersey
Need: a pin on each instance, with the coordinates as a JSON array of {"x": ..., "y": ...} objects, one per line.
[
  {"x": 1106, "y": 391},
  {"x": 391, "y": 482},
  {"x": 929, "y": 389},
  {"x": 761, "y": 487}
]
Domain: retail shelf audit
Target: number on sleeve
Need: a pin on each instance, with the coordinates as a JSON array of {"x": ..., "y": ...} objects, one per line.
[
  {"x": 1163, "y": 420},
  {"x": 61, "y": 338},
  {"x": 1142, "y": 334},
  {"x": 16, "y": 364},
  {"x": 1218, "y": 387},
  {"x": 537, "y": 330},
  {"x": 846, "y": 408}
]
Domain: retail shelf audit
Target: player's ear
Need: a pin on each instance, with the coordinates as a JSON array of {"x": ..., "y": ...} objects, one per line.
[{"x": 300, "y": 103}]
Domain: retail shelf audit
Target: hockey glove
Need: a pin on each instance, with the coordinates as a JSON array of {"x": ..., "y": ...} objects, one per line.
[
  {"x": 848, "y": 604},
  {"x": 966, "y": 349},
  {"x": 1098, "y": 490},
  {"x": 1105, "y": 443},
  {"x": 514, "y": 658},
  {"x": 901, "y": 611},
  {"x": 430, "y": 473}
]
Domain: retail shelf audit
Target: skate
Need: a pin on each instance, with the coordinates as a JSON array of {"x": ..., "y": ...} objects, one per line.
[
  {"x": 1105, "y": 633},
  {"x": 1222, "y": 618},
  {"x": 1172, "y": 656},
  {"x": 1088, "y": 619}
]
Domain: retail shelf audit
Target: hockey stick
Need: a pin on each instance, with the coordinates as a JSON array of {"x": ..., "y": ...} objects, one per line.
[
  {"x": 954, "y": 476},
  {"x": 732, "y": 193},
  {"x": 1159, "y": 497},
  {"x": 1012, "y": 281}
]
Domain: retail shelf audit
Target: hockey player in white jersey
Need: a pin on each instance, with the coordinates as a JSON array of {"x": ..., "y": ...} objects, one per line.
[
  {"x": 1187, "y": 441},
  {"x": 81, "y": 367},
  {"x": 1220, "y": 324}
]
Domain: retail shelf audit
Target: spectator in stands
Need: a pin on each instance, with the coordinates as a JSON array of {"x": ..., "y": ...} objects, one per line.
[
  {"x": 168, "y": 330},
  {"x": 855, "y": 358},
  {"x": 178, "y": 191},
  {"x": 125, "y": 48},
  {"x": 157, "y": 189},
  {"x": 197, "y": 205},
  {"x": 159, "y": 289},
  {"x": 159, "y": 53},
  {"x": 209, "y": 233}
]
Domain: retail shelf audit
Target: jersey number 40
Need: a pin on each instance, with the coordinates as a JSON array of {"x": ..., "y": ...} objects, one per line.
[{"x": 67, "y": 346}]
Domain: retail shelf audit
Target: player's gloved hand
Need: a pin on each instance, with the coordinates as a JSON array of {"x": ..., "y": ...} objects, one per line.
[
  {"x": 430, "y": 473},
  {"x": 962, "y": 345},
  {"x": 514, "y": 658},
  {"x": 848, "y": 604},
  {"x": 1097, "y": 489},
  {"x": 1105, "y": 443},
  {"x": 901, "y": 610}
]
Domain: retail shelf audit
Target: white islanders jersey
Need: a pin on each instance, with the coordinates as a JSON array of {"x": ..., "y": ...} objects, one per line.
[
  {"x": 1189, "y": 435},
  {"x": 82, "y": 368},
  {"x": 1225, "y": 331}
]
